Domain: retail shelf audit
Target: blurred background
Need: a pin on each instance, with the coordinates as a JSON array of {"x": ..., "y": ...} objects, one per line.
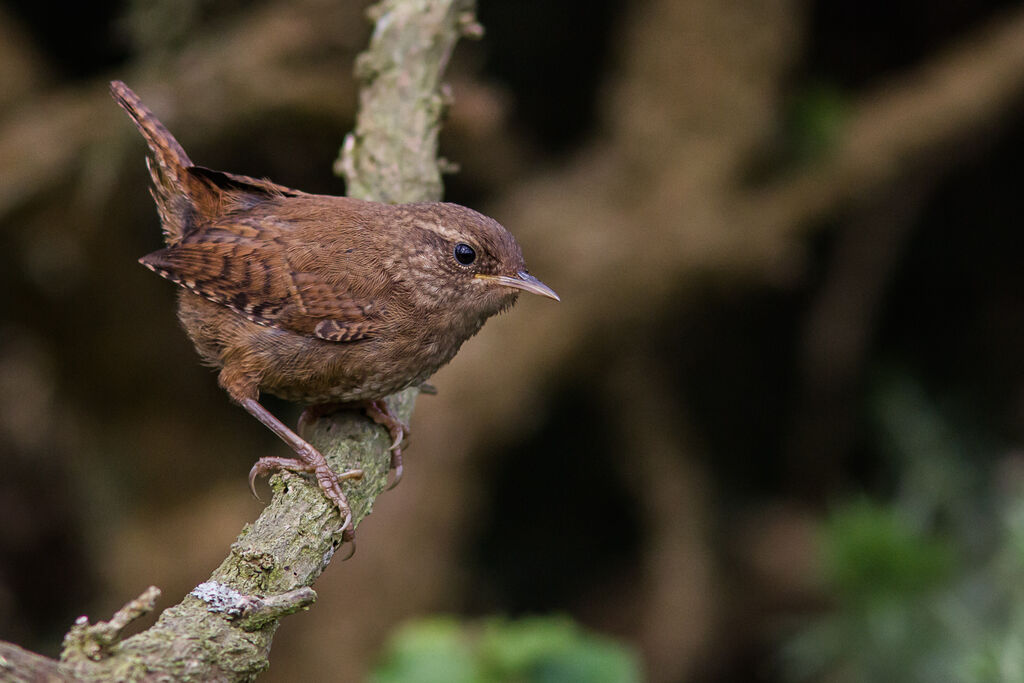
[{"x": 773, "y": 432}]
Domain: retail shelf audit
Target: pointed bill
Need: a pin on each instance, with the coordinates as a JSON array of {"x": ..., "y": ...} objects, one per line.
[{"x": 523, "y": 281}]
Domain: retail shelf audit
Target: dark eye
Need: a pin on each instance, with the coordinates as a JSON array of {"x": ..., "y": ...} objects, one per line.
[{"x": 464, "y": 254}]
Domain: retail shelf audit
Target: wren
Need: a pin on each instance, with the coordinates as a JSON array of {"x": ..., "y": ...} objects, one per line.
[{"x": 322, "y": 300}]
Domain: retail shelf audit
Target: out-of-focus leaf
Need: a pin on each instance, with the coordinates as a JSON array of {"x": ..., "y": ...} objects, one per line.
[
  {"x": 872, "y": 551},
  {"x": 532, "y": 650},
  {"x": 432, "y": 650}
]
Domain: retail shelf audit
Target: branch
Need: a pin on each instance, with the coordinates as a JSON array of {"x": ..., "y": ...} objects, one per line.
[
  {"x": 223, "y": 629},
  {"x": 392, "y": 155},
  {"x": 910, "y": 123},
  {"x": 54, "y": 136}
]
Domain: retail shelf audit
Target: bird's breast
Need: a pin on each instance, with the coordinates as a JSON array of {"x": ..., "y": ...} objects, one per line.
[{"x": 308, "y": 370}]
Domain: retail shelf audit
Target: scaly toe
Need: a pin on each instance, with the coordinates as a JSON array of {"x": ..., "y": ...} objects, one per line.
[
  {"x": 330, "y": 483},
  {"x": 271, "y": 464}
]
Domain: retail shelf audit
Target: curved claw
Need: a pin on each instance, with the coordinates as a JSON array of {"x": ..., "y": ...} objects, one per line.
[
  {"x": 326, "y": 478},
  {"x": 253, "y": 473},
  {"x": 273, "y": 463},
  {"x": 399, "y": 435},
  {"x": 398, "y": 474},
  {"x": 346, "y": 523},
  {"x": 379, "y": 412}
]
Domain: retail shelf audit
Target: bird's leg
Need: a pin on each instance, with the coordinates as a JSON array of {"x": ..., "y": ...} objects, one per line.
[
  {"x": 309, "y": 460},
  {"x": 378, "y": 412}
]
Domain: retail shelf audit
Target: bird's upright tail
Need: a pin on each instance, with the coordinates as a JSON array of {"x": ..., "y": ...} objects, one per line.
[{"x": 168, "y": 166}]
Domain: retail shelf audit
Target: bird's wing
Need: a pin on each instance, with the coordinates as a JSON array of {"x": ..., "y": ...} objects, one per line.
[
  {"x": 234, "y": 182},
  {"x": 245, "y": 267}
]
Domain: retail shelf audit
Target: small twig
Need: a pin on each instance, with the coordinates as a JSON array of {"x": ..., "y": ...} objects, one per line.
[
  {"x": 94, "y": 641},
  {"x": 252, "y": 612}
]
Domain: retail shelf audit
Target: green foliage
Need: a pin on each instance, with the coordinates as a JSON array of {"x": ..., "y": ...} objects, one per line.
[
  {"x": 928, "y": 587},
  {"x": 429, "y": 651},
  {"x": 887, "y": 578},
  {"x": 873, "y": 552},
  {"x": 533, "y": 650}
]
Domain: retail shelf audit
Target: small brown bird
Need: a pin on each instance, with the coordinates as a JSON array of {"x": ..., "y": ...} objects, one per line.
[{"x": 326, "y": 301}]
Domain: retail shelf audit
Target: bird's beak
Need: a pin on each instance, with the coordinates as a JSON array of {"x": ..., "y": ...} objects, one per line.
[{"x": 523, "y": 281}]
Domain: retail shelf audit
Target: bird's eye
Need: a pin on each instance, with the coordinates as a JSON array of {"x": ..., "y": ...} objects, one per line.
[{"x": 464, "y": 254}]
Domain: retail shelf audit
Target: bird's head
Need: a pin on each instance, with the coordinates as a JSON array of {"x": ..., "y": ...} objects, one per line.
[{"x": 460, "y": 258}]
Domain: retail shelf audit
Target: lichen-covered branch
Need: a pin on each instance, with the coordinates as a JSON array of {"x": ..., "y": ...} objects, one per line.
[
  {"x": 392, "y": 154},
  {"x": 224, "y": 630}
]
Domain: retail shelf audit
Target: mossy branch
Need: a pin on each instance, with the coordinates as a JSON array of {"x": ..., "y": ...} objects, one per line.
[
  {"x": 223, "y": 630},
  {"x": 392, "y": 154}
]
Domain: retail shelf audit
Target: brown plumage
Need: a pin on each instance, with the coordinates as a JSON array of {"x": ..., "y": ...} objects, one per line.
[{"x": 317, "y": 299}]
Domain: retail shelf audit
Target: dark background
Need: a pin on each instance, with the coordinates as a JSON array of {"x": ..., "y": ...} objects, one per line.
[{"x": 784, "y": 238}]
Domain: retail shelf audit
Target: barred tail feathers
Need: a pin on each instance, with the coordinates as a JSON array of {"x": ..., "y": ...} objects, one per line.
[{"x": 167, "y": 167}]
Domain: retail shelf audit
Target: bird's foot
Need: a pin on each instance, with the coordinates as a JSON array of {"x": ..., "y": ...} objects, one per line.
[
  {"x": 379, "y": 412},
  {"x": 329, "y": 481}
]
